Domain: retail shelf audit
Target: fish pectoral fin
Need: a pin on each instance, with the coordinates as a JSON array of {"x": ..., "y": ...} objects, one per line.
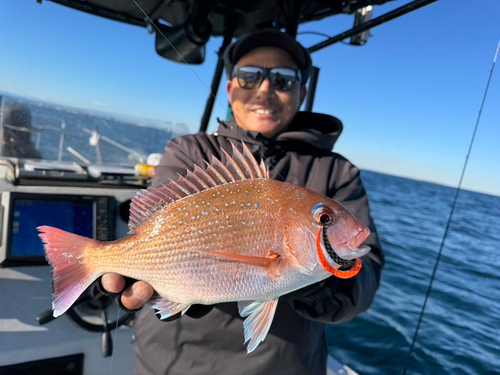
[
  {"x": 260, "y": 316},
  {"x": 256, "y": 261},
  {"x": 167, "y": 308}
]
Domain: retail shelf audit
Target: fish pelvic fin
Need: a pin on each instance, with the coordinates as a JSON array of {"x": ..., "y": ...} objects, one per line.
[
  {"x": 70, "y": 275},
  {"x": 260, "y": 316},
  {"x": 241, "y": 166},
  {"x": 167, "y": 308}
]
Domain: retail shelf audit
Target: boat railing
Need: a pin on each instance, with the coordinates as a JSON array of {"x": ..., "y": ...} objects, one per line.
[
  {"x": 40, "y": 126},
  {"x": 38, "y": 129},
  {"x": 95, "y": 137}
]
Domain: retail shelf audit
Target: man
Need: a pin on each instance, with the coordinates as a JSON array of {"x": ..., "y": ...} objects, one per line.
[
  {"x": 15, "y": 125},
  {"x": 267, "y": 72}
]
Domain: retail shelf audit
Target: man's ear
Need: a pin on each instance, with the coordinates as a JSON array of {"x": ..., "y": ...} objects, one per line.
[
  {"x": 228, "y": 88},
  {"x": 303, "y": 93}
]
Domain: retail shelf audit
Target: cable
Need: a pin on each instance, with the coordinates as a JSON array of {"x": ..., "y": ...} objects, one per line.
[
  {"x": 429, "y": 288},
  {"x": 326, "y": 36},
  {"x": 315, "y": 33}
]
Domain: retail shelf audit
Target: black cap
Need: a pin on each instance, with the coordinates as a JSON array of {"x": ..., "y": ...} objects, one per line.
[{"x": 268, "y": 38}]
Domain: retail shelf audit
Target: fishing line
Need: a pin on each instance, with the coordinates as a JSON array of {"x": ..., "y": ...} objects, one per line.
[
  {"x": 210, "y": 91},
  {"x": 116, "y": 334},
  {"x": 429, "y": 288}
]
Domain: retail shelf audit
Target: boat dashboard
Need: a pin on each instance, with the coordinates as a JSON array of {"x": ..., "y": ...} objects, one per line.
[
  {"x": 92, "y": 202},
  {"x": 63, "y": 195}
]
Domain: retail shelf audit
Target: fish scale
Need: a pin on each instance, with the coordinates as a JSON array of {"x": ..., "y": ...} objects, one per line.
[{"x": 227, "y": 233}]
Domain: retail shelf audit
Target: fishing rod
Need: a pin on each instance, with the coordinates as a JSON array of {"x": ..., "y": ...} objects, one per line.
[{"x": 433, "y": 276}]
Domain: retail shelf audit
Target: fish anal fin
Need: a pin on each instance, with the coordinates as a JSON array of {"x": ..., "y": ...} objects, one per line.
[
  {"x": 167, "y": 308},
  {"x": 259, "y": 315}
]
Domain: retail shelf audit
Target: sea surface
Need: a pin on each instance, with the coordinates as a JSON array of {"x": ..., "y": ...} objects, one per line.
[
  {"x": 460, "y": 332},
  {"x": 98, "y": 138}
]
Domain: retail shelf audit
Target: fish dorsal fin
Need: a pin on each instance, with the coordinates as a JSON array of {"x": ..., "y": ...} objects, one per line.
[{"x": 241, "y": 166}]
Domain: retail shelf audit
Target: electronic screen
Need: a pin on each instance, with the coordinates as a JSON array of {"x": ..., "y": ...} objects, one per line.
[
  {"x": 88, "y": 216},
  {"x": 71, "y": 216}
]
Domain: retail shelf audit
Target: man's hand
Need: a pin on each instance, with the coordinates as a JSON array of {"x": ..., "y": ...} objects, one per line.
[{"x": 134, "y": 296}]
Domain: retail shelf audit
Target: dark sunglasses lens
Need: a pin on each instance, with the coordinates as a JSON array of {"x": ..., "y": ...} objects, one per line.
[
  {"x": 283, "y": 79},
  {"x": 249, "y": 77}
]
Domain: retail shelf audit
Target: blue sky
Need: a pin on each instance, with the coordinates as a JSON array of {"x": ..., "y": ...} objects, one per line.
[{"x": 408, "y": 99}]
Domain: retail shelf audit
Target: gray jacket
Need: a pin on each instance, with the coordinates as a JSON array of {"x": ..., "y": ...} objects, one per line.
[{"x": 296, "y": 341}]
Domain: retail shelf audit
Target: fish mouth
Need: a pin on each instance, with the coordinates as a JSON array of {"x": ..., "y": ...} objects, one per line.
[
  {"x": 354, "y": 248},
  {"x": 346, "y": 264},
  {"x": 356, "y": 242}
]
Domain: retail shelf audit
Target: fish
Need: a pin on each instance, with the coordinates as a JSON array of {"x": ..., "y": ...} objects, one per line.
[{"x": 224, "y": 233}]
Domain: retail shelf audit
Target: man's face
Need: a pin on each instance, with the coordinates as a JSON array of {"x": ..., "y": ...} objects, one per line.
[{"x": 264, "y": 109}]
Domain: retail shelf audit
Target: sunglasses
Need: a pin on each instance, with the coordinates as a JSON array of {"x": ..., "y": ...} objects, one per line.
[{"x": 281, "y": 79}]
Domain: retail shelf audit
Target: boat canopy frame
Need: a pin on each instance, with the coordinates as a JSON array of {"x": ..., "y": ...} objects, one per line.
[{"x": 232, "y": 18}]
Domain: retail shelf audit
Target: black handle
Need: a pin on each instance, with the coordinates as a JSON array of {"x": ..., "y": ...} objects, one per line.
[{"x": 45, "y": 317}]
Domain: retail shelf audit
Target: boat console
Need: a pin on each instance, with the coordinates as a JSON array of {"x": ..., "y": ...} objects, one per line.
[{"x": 67, "y": 196}]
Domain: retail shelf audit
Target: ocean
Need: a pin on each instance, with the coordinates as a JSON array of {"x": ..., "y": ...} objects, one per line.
[
  {"x": 461, "y": 327},
  {"x": 460, "y": 332},
  {"x": 120, "y": 141}
]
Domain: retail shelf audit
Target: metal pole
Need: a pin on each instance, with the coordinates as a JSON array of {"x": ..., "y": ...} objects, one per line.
[
  {"x": 61, "y": 140},
  {"x": 293, "y": 17},
  {"x": 215, "y": 84},
  {"x": 370, "y": 24},
  {"x": 312, "y": 89}
]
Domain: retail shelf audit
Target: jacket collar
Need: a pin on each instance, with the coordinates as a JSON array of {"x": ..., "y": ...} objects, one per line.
[{"x": 318, "y": 130}]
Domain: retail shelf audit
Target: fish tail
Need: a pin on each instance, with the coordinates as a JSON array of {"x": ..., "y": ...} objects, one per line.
[{"x": 70, "y": 275}]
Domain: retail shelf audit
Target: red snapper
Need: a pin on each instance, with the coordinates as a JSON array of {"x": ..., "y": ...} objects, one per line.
[{"x": 226, "y": 233}]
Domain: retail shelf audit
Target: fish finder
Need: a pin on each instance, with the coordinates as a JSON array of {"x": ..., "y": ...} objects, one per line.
[{"x": 21, "y": 213}]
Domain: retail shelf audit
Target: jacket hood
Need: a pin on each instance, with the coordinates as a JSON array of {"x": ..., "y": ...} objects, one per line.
[{"x": 316, "y": 129}]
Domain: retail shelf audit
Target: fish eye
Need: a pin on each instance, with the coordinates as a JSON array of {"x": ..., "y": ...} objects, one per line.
[
  {"x": 325, "y": 219},
  {"x": 323, "y": 215}
]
